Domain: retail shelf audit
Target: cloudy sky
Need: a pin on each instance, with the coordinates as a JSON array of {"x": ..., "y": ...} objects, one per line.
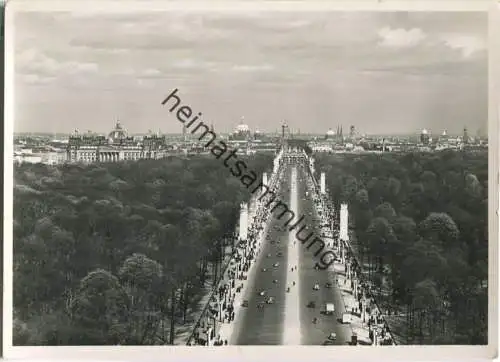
[{"x": 383, "y": 72}]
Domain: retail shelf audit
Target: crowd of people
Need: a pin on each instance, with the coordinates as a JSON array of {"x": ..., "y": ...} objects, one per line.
[
  {"x": 378, "y": 329},
  {"x": 222, "y": 303}
]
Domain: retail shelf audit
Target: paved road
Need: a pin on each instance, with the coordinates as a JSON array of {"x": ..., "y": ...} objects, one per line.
[
  {"x": 264, "y": 326},
  {"x": 314, "y": 334},
  {"x": 267, "y": 325}
]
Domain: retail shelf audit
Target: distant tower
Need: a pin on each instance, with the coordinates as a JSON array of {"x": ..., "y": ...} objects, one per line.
[
  {"x": 465, "y": 138},
  {"x": 424, "y": 137},
  {"x": 212, "y": 127},
  {"x": 284, "y": 130},
  {"x": 352, "y": 133}
]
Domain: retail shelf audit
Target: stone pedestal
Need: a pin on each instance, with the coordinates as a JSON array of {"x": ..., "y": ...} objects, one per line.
[
  {"x": 344, "y": 223},
  {"x": 311, "y": 165},
  {"x": 243, "y": 221}
]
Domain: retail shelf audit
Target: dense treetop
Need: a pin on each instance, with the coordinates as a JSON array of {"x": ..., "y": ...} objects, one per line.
[
  {"x": 101, "y": 250},
  {"x": 420, "y": 225}
]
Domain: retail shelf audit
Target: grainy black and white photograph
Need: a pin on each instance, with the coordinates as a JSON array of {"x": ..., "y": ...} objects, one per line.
[{"x": 218, "y": 178}]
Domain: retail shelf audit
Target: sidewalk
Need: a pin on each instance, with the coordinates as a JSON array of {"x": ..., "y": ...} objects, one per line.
[
  {"x": 184, "y": 331},
  {"x": 365, "y": 316},
  {"x": 358, "y": 326},
  {"x": 227, "y": 328},
  {"x": 258, "y": 231}
]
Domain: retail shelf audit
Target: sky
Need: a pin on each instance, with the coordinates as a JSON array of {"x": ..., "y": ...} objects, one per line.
[{"x": 383, "y": 72}]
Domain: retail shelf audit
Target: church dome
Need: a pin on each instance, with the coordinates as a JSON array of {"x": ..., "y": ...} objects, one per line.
[
  {"x": 118, "y": 133},
  {"x": 424, "y": 131},
  {"x": 242, "y": 127},
  {"x": 330, "y": 132}
]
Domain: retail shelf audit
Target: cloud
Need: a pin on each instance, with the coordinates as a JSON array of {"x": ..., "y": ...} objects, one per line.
[
  {"x": 466, "y": 44},
  {"x": 400, "y": 38},
  {"x": 150, "y": 73},
  {"x": 33, "y": 61},
  {"x": 35, "y": 79},
  {"x": 190, "y": 63},
  {"x": 253, "y": 68}
]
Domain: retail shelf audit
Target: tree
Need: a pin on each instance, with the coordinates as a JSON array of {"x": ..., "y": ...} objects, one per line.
[
  {"x": 380, "y": 234},
  {"x": 349, "y": 189},
  {"x": 444, "y": 193},
  {"x": 427, "y": 302},
  {"x": 385, "y": 210},
  {"x": 362, "y": 198},
  {"x": 142, "y": 278},
  {"x": 440, "y": 228},
  {"x": 100, "y": 308}
]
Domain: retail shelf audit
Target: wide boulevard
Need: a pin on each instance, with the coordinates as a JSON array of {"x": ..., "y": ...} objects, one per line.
[{"x": 284, "y": 262}]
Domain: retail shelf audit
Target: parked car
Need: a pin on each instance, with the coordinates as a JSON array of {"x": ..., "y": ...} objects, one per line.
[
  {"x": 245, "y": 303},
  {"x": 311, "y": 304}
]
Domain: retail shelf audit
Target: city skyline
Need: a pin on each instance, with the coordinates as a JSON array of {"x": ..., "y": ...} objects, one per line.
[
  {"x": 271, "y": 133},
  {"x": 382, "y": 72}
]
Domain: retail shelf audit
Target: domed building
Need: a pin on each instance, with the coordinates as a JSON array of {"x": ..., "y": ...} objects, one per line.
[
  {"x": 118, "y": 146},
  {"x": 241, "y": 132},
  {"x": 330, "y": 134},
  {"x": 424, "y": 137},
  {"x": 335, "y": 136},
  {"x": 443, "y": 137},
  {"x": 118, "y": 135}
]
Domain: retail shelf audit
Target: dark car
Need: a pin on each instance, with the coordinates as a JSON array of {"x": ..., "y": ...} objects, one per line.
[
  {"x": 245, "y": 303},
  {"x": 311, "y": 304},
  {"x": 328, "y": 285}
]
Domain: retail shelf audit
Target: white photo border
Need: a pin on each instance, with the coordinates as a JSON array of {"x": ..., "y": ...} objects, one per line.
[{"x": 248, "y": 353}]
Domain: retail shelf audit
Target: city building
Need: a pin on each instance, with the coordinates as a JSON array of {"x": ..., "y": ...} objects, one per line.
[
  {"x": 117, "y": 146},
  {"x": 241, "y": 132},
  {"x": 425, "y": 137},
  {"x": 465, "y": 137}
]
